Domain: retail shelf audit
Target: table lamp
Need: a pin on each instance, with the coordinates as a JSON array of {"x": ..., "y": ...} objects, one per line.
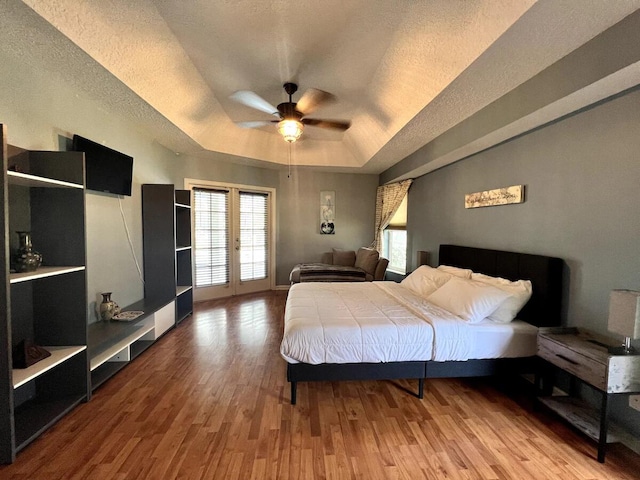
[
  {"x": 624, "y": 318},
  {"x": 423, "y": 258}
]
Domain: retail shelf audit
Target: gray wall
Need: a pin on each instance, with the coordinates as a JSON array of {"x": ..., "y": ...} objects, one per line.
[
  {"x": 299, "y": 238},
  {"x": 582, "y": 176}
]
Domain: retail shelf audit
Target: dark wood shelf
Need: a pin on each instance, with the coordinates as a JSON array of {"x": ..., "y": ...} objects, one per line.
[
  {"x": 59, "y": 354},
  {"x": 114, "y": 344},
  {"x": 184, "y": 304},
  {"x": 104, "y": 372},
  {"x": 108, "y": 369},
  {"x": 104, "y": 335},
  {"x": 139, "y": 347},
  {"x": 166, "y": 225},
  {"x": 183, "y": 316},
  {"x": 27, "y": 180},
  {"x": 49, "y": 305},
  {"x": 33, "y": 418},
  {"x": 582, "y": 416}
]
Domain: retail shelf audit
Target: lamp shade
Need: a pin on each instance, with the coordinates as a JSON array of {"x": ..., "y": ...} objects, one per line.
[
  {"x": 624, "y": 313},
  {"x": 423, "y": 258},
  {"x": 290, "y": 130}
]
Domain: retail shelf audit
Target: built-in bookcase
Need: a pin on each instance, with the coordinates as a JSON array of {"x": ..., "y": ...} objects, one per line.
[
  {"x": 115, "y": 344},
  {"x": 43, "y": 192},
  {"x": 184, "y": 278},
  {"x": 166, "y": 223}
]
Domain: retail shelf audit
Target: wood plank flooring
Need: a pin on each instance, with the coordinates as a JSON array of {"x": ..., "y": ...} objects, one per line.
[{"x": 210, "y": 401}]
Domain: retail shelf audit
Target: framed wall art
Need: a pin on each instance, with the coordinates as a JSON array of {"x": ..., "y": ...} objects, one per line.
[
  {"x": 327, "y": 212},
  {"x": 499, "y": 196}
]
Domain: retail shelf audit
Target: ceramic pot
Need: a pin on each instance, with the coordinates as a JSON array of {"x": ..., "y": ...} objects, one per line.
[
  {"x": 108, "y": 308},
  {"x": 26, "y": 259}
]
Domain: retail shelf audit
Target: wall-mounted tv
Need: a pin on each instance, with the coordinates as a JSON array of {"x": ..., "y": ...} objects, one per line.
[{"x": 106, "y": 170}]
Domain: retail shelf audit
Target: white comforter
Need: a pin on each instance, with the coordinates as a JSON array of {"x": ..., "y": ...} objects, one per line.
[{"x": 368, "y": 322}]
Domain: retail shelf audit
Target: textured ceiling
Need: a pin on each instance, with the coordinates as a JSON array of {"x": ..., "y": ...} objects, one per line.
[{"x": 403, "y": 72}]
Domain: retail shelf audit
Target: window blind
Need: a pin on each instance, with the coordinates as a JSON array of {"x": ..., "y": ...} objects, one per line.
[
  {"x": 253, "y": 236},
  {"x": 211, "y": 225},
  {"x": 399, "y": 219}
]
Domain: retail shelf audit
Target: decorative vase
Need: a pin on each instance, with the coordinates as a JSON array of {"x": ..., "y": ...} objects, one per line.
[
  {"x": 26, "y": 259},
  {"x": 108, "y": 308}
]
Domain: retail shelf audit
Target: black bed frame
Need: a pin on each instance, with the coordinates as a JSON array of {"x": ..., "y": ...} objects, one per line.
[{"x": 542, "y": 310}]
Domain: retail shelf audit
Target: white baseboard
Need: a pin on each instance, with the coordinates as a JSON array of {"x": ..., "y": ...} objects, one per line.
[{"x": 282, "y": 287}]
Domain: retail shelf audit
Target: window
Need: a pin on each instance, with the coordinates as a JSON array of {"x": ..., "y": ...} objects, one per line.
[
  {"x": 395, "y": 247},
  {"x": 394, "y": 240},
  {"x": 211, "y": 237}
]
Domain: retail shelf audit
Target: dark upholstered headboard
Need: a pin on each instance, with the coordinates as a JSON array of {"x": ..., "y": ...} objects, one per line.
[{"x": 545, "y": 273}]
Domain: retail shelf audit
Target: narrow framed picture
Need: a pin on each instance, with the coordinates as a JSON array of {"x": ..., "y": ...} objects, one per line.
[{"x": 327, "y": 212}]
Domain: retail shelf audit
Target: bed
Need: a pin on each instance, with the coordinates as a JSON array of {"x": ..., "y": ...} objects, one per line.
[{"x": 354, "y": 322}]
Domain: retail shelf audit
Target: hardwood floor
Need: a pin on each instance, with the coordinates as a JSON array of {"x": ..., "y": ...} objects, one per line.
[{"x": 210, "y": 400}]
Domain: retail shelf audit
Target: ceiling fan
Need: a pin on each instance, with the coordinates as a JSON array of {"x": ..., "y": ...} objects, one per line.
[{"x": 291, "y": 115}]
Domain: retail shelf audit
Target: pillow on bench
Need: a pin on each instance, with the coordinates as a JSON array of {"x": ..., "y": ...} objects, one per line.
[
  {"x": 367, "y": 260},
  {"x": 346, "y": 258}
]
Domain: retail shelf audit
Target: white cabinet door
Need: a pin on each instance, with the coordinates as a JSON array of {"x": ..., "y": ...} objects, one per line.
[{"x": 165, "y": 318}]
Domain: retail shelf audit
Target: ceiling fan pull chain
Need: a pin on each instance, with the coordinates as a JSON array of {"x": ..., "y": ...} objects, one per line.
[{"x": 289, "y": 174}]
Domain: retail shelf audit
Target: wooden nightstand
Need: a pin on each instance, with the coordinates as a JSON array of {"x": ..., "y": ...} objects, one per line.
[{"x": 586, "y": 357}]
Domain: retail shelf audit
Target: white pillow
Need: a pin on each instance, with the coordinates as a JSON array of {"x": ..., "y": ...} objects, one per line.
[
  {"x": 458, "y": 272},
  {"x": 519, "y": 294},
  {"x": 469, "y": 300},
  {"x": 425, "y": 280}
]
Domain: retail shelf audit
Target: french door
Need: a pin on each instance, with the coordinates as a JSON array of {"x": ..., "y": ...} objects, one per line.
[{"x": 234, "y": 248}]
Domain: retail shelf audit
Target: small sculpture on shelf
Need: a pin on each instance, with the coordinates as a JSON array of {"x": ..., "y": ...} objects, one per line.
[
  {"x": 27, "y": 353},
  {"x": 26, "y": 259},
  {"x": 108, "y": 308}
]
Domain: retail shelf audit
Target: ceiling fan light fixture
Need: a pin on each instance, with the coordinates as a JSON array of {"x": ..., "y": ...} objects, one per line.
[
  {"x": 290, "y": 129},
  {"x": 291, "y": 120}
]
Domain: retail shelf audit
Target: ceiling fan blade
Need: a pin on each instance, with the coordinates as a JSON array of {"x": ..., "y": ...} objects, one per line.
[
  {"x": 334, "y": 124},
  {"x": 312, "y": 99},
  {"x": 255, "y": 124},
  {"x": 253, "y": 100}
]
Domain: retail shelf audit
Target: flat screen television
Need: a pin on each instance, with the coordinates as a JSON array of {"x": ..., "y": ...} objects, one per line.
[{"x": 106, "y": 169}]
